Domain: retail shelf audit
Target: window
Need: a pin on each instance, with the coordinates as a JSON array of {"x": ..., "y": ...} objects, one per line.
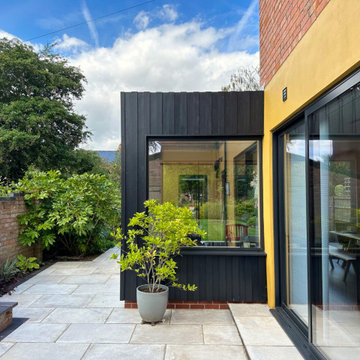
[
  {"x": 218, "y": 180},
  {"x": 334, "y": 164}
]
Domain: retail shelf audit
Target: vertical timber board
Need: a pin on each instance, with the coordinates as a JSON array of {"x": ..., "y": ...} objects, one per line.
[
  {"x": 217, "y": 113},
  {"x": 168, "y": 114},
  {"x": 193, "y": 113},
  {"x": 209, "y": 277},
  {"x": 249, "y": 285},
  {"x": 236, "y": 278},
  {"x": 131, "y": 173},
  {"x": 156, "y": 113},
  {"x": 231, "y": 112},
  {"x": 180, "y": 114},
  {"x": 143, "y": 129},
  {"x": 205, "y": 113},
  {"x": 123, "y": 182},
  {"x": 256, "y": 116},
  {"x": 244, "y": 117}
]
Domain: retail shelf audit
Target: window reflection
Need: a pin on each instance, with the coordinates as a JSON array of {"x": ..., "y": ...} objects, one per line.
[
  {"x": 217, "y": 180},
  {"x": 334, "y": 154}
]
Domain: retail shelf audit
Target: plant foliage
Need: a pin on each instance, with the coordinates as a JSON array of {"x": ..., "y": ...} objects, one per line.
[
  {"x": 79, "y": 211},
  {"x": 38, "y": 125},
  {"x": 8, "y": 270},
  {"x": 245, "y": 79},
  {"x": 26, "y": 265},
  {"x": 153, "y": 239}
]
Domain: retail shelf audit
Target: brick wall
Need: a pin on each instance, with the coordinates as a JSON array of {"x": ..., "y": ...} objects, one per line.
[
  {"x": 10, "y": 246},
  {"x": 282, "y": 25}
]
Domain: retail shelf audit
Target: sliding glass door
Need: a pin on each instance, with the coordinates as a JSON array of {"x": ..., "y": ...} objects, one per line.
[
  {"x": 319, "y": 222},
  {"x": 294, "y": 220},
  {"x": 334, "y": 174}
]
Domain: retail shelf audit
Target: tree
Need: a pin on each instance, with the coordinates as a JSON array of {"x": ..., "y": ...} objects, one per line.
[
  {"x": 245, "y": 79},
  {"x": 38, "y": 124},
  {"x": 78, "y": 212},
  {"x": 88, "y": 161}
]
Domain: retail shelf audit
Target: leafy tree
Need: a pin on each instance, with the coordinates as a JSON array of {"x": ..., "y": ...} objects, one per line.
[
  {"x": 88, "y": 161},
  {"x": 163, "y": 229},
  {"x": 79, "y": 212},
  {"x": 38, "y": 124},
  {"x": 245, "y": 79}
]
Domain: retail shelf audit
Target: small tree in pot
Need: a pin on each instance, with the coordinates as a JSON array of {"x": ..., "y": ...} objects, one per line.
[{"x": 161, "y": 232}]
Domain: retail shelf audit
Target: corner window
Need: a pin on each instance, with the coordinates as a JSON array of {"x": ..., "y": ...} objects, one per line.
[{"x": 218, "y": 180}]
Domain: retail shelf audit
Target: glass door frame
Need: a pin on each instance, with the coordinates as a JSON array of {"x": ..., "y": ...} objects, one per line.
[
  {"x": 279, "y": 224},
  {"x": 279, "y": 209}
]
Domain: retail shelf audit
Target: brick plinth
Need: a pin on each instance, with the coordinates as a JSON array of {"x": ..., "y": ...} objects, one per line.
[
  {"x": 179, "y": 304},
  {"x": 283, "y": 23}
]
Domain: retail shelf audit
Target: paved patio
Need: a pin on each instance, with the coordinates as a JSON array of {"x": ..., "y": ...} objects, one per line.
[{"x": 72, "y": 311}]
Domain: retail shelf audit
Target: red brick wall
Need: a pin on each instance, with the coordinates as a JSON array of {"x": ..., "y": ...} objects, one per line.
[
  {"x": 10, "y": 246},
  {"x": 282, "y": 25}
]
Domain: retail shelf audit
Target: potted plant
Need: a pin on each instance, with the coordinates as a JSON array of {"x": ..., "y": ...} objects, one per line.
[{"x": 154, "y": 238}]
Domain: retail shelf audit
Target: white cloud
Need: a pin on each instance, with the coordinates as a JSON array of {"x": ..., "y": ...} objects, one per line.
[
  {"x": 168, "y": 13},
  {"x": 92, "y": 28},
  {"x": 67, "y": 43},
  {"x": 166, "y": 58},
  {"x": 4, "y": 34},
  {"x": 141, "y": 20},
  {"x": 235, "y": 38}
]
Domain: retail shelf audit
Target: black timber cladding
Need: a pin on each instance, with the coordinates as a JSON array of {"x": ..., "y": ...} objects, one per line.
[{"x": 231, "y": 275}]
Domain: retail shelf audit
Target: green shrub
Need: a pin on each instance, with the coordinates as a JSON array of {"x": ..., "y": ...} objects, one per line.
[
  {"x": 79, "y": 212},
  {"x": 163, "y": 230},
  {"x": 8, "y": 270},
  {"x": 246, "y": 211},
  {"x": 25, "y": 264}
]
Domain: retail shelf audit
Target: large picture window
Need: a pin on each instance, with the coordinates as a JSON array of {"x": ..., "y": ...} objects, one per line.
[{"x": 218, "y": 180}]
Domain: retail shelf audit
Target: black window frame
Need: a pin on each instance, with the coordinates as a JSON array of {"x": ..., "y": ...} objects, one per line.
[{"x": 217, "y": 250}]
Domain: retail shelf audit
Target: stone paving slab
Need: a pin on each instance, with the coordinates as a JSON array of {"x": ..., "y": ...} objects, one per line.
[
  {"x": 33, "y": 314},
  {"x": 45, "y": 351},
  {"x": 250, "y": 310},
  {"x": 204, "y": 352},
  {"x": 95, "y": 289},
  {"x": 46, "y": 289},
  {"x": 132, "y": 316},
  {"x": 273, "y": 353},
  {"x": 78, "y": 316},
  {"x": 97, "y": 333},
  {"x": 37, "y": 333},
  {"x": 262, "y": 331},
  {"x": 125, "y": 352},
  {"x": 192, "y": 316},
  {"x": 22, "y": 299},
  {"x": 86, "y": 279},
  {"x": 5, "y": 347},
  {"x": 71, "y": 271},
  {"x": 104, "y": 300},
  {"x": 61, "y": 301},
  {"x": 167, "y": 334},
  {"x": 221, "y": 335}
]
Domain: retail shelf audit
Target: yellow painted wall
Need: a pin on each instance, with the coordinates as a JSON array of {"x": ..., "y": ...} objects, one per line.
[{"x": 328, "y": 52}]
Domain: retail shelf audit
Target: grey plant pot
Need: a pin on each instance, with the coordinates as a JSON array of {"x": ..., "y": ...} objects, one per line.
[{"x": 152, "y": 306}]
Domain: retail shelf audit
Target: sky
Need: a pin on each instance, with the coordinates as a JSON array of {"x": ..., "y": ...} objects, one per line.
[{"x": 138, "y": 45}]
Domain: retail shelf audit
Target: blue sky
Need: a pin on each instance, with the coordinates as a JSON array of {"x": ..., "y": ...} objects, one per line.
[{"x": 158, "y": 46}]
